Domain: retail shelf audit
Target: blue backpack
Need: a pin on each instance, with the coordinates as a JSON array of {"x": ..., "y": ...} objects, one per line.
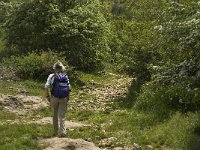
[{"x": 60, "y": 87}]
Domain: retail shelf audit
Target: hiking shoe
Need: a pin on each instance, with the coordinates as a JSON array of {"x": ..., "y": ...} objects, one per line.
[
  {"x": 63, "y": 135},
  {"x": 54, "y": 134}
]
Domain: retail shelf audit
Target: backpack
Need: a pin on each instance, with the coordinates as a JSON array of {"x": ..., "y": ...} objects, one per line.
[{"x": 60, "y": 88}]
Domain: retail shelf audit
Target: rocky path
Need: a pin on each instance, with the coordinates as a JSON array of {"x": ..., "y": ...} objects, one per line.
[
  {"x": 99, "y": 98},
  {"x": 24, "y": 105}
]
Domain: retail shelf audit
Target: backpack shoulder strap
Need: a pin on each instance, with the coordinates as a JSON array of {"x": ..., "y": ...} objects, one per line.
[
  {"x": 53, "y": 84},
  {"x": 53, "y": 77}
]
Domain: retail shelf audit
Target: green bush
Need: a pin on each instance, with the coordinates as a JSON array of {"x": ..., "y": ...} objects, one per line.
[
  {"x": 79, "y": 30},
  {"x": 181, "y": 30},
  {"x": 177, "y": 132},
  {"x": 34, "y": 65},
  {"x": 155, "y": 97},
  {"x": 173, "y": 87},
  {"x": 183, "y": 96}
]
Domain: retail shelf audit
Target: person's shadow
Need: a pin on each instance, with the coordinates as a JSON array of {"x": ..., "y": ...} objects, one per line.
[{"x": 128, "y": 101}]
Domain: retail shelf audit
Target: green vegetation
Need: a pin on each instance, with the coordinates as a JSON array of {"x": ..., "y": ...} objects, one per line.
[
  {"x": 155, "y": 127},
  {"x": 34, "y": 65},
  {"x": 6, "y": 115},
  {"x": 178, "y": 131},
  {"x": 27, "y": 86},
  {"x": 22, "y": 136},
  {"x": 78, "y": 31},
  {"x": 155, "y": 42}
]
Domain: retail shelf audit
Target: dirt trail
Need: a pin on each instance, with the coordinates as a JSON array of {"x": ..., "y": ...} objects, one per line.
[
  {"x": 68, "y": 124},
  {"x": 25, "y": 105},
  {"x": 22, "y": 104},
  {"x": 104, "y": 94}
]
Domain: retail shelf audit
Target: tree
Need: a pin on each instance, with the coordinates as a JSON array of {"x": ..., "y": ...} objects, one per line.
[
  {"x": 181, "y": 31},
  {"x": 78, "y": 29},
  {"x": 135, "y": 41},
  {"x": 175, "y": 83}
]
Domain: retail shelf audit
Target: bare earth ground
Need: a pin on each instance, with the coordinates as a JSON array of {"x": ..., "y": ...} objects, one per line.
[
  {"x": 101, "y": 96},
  {"x": 22, "y": 104},
  {"x": 68, "y": 124},
  {"x": 67, "y": 144}
]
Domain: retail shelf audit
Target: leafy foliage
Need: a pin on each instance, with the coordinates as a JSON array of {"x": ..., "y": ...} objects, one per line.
[
  {"x": 181, "y": 30},
  {"x": 78, "y": 30},
  {"x": 7, "y": 7},
  {"x": 175, "y": 81},
  {"x": 134, "y": 44},
  {"x": 34, "y": 65}
]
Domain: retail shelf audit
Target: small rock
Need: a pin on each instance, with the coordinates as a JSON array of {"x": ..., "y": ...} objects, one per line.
[
  {"x": 118, "y": 148},
  {"x": 97, "y": 137},
  {"x": 119, "y": 144},
  {"x": 71, "y": 129},
  {"x": 70, "y": 146},
  {"x": 108, "y": 142},
  {"x": 148, "y": 146},
  {"x": 89, "y": 139},
  {"x": 136, "y": 146}
]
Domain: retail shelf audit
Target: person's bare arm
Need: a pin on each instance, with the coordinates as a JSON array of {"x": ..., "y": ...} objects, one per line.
[
  {"x": 47, "y": 94},
  {"x": 47, "y": 87}
]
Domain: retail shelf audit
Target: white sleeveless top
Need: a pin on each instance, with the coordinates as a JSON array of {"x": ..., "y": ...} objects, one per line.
[{"x": 50, "y": 80}]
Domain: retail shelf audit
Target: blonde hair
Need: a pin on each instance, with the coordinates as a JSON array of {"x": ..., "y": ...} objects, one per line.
[{"x": 59, "y": 66}]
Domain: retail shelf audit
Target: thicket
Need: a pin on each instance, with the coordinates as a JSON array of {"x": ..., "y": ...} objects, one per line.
[
  {"x": 134, "y": 44},
  {"x": 157, "y": 42},
  {"x": 78, "y": 29},
  {"x": 34, "y": 65},
  {"x": 175, "y": 82}
]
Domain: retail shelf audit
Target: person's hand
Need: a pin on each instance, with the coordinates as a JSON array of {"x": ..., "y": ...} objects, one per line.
[
  {"x": 48, "y": 98},
  {"x": 67, "y": 98}
]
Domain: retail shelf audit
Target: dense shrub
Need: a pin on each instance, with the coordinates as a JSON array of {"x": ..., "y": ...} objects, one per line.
[
  {"x": 176, "y": 87},
  {"x": 180, "y": 30},
  {"x": 7, "y": 7},
  {"x": 34, "y": 65},
  {"x": 77, "y": 29},
  {"x": 175, "y": 83},
  {"x": 134, "y": 46},
  {"x": 166, "y": 98}
]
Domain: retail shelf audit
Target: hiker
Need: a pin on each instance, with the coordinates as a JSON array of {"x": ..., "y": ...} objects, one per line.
[{"x": 57, "y": 90}]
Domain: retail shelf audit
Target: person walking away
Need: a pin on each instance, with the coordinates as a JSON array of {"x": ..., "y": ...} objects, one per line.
[{"x": 57, "y": 90}]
